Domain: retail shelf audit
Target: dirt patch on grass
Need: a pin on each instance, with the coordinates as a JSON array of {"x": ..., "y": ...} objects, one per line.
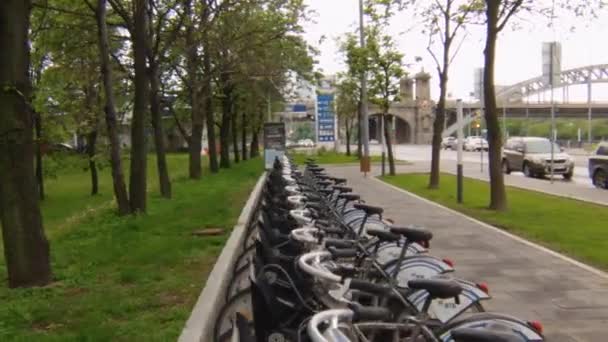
[
  {"x": 171, "y": 299},
  {"x": 75, "y": 291},
  {"x": 46, "y": 326}
]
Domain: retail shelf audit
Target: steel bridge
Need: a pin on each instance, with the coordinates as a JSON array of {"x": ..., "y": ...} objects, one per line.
[{"x": 514, "y": 101}]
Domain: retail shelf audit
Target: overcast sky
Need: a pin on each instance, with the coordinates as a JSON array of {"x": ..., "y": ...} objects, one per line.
[{"x": 518, "y": 51}]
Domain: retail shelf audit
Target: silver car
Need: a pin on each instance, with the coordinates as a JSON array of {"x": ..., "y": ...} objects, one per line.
[{"x": 532, "y": 156}]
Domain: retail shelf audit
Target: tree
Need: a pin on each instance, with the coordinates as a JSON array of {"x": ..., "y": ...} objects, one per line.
[
  {"x": 386, "y": 69},
  {"x": 255, "y": 42},
  {"x": 136, "y": 21},
  {"x": 26, "y": 248},
  {"x": 347, "y": 105},
  {"x": 497, "y": 14},
  {"x": 120, "y": 189},
  {"x": 66, "y": 82},
  {"x": 137, "y": 178},
  {"x": 443, "y": 20},
  {"x": 356, "y": 61},
  {"x": 198, "y": 92},
  {"x": 156, "y": 48}
]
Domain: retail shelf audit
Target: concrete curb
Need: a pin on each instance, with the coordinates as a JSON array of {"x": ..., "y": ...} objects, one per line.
[
  {"x": 579, "y": 264},
  {"x": 199, "y": 327}
]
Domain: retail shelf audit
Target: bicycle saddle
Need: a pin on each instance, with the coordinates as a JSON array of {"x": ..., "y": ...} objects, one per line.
[
  {"x": 342, "y": 189},
  {"x": 369, "y": 209},
  {"x": 326, "y": 191},
  {"x": 349, "y": 197},
  {"x": 338, "y": 180},
  {"x": 437, "y": 288},
  {"x": 324, "y": 183},
  {"x": 413, "y": 233},
  {"x": 383, "y": 235}
]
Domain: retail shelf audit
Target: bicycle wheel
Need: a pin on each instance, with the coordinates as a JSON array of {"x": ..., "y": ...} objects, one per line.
[
  {"x": 240, "y": 281},
  {"x": 243, "y": 259},
  {"x": 252, "y": 235},
  {"x": 225, "y": 322},
  {"x": 493, "y": 322}
]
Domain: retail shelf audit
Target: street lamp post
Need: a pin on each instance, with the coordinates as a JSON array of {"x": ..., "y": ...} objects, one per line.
[
  {"x": 364, "y": 125},
  {"x": 589, "y": 111},
  {"x": 460, "y": 141},
  {"x": 269, "y": 108}
]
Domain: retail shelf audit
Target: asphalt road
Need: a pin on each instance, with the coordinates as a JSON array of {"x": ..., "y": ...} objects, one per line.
[{"x": 580, "y": 187}]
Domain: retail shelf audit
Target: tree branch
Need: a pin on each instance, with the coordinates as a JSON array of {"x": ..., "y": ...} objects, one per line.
[
  {"x": 122, "y": 67},
  {"x": 61, "y": 10},
  {"x": 458, "y": 48},
  {"x": 516, "y": 5},
  {"x": 181, "y": 129},
  {"x": 432, "y": 53},
  {"x": 122, "y": 12}
]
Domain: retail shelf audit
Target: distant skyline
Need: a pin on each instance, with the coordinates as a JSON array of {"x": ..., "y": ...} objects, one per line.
[{"x": 518, "y": 51}]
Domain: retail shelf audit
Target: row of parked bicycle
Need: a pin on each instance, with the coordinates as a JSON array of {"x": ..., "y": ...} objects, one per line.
[{"x": 321, "y": 265}]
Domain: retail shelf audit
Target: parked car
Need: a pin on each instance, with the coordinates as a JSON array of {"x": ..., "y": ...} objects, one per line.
[
  {"x": 449, "y": 143},
  {"x": 532, "y": 156},
  {"x": 306, "y": 143},
  {"x": 475, "y": 143},
  {"x": 598, "y": 166}
]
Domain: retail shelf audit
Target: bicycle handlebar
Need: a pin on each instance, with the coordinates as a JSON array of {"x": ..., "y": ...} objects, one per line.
[
  {"x": 304, "y": 235},
  {"x": 310, "y": 263},
  {"x": 329, "y": 316}
]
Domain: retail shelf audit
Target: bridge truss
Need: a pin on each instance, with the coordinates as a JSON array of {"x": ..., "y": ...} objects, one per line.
[{"x": 584, "y": 75}]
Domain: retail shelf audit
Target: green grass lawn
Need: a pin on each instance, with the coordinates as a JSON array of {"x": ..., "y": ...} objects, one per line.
[
  {"x": 129, "y": 278},
  {"x": 572, "y": 227},
  {"x": 68, "y": 189},
  {"x": 331, "y": 157}
]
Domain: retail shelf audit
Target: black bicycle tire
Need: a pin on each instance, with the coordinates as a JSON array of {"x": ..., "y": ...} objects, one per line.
[
  {"x": 225, "y": 307},
  {"x": 232, "y": 282}
]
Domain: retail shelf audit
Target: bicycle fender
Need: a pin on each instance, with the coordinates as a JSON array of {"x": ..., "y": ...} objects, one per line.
[
  {"x": 445, "y": 310},
  {"x": 391, "y": 251},
  {"x": 498, "y": 323},
  {"x": 420, "y": 266}
]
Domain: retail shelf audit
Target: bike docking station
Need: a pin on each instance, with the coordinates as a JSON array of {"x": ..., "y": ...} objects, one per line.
[
  {"x": 274, "y": 143},
  {"x": 310, "y": 261}
]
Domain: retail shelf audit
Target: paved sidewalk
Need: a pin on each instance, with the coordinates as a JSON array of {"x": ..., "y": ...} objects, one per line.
[{"x": 525, "y": 281}]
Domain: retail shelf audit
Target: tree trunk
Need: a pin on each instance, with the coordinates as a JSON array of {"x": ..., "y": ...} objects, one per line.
[
  {"x": 347, "y": 130},
  {"x": 91, "y": 151},
  {"x": 235, "y": 134},
  {"x": 196, "y": 135},
  {"x": 26, "y": 249},
  {"x": 225, "y": 125},
  {"x": 255, "y": 145},
  {"x": 137, "y": 180},
  {"x": 359, "y": 125},
  {"x": 159, "y": 137},
  {"x": 438, "y": 126},
  {"x": 39, "y": 170},
  {"x": 498, "y": 195},
  {"x": 211, "y": 140},
  {"x": 209, "y": 113},
  {"x": 120, "y": 190},
  {"x": 244, "y": 135},
  {"x": 196, "y": 112},
  {"x": 389, "y": 147}
]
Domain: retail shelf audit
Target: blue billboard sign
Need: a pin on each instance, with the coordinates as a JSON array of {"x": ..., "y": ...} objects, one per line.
[
  {"x": 325, "y": 118},
  {"x": 299, "y": 108}
]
